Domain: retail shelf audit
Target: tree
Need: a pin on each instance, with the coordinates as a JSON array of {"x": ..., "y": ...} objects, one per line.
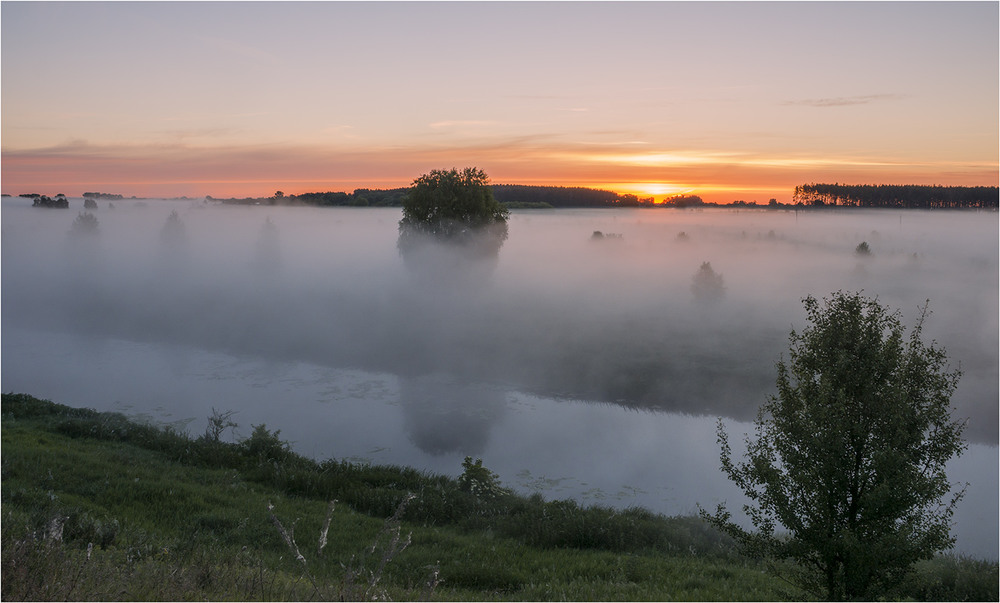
[
  {"x": 479, "y": 480},
  {"x": 707, "y": 285},
  {"x": 85, "y": 225},
  {"x": 454, "y": 207},
  {"x": 685, "y": 201},
  {"x": 849, "y": 457},
  {"x": 44, "y": 201},
  {"x": 173, "y": 234}
]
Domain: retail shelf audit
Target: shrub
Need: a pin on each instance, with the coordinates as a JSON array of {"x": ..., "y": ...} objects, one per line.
[
  {"x": 265, "y": 445},
  {"x": 479, "y": 481}
]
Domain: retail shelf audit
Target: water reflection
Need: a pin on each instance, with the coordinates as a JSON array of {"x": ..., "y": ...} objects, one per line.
[{"x": 442, "y": 415}]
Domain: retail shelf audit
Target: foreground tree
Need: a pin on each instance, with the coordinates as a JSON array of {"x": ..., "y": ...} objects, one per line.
[
  {"x": 850, "y": 456},
  {"x": 453, "y": 207}
]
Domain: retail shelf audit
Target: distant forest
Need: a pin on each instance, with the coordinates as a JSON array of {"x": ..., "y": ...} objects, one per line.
[
  {"x": 512, "y": 195},
  {"x": 896, "y": 196},
  {"x": 516, "y": 196},
  {"x": 806, "y": 196}
]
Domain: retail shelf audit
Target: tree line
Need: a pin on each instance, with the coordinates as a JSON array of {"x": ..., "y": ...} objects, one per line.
[
  {"x": 564, "y": 196},
  {"x": 896, "y": 196},
  {"x": 512, "y": 195}
]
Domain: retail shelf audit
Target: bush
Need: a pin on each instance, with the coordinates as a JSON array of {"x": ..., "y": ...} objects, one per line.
[
  {"x": 266, "y": 446},
  {"x": 479, "y": 481}
]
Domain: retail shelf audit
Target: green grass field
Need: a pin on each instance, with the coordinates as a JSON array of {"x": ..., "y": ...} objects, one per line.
[{"x": 97, "y": 507}]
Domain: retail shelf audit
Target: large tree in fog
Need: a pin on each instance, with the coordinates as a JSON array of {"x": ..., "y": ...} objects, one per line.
[
  {"x": 849, "y": 457},
  {"x": 454, "y": 207}
]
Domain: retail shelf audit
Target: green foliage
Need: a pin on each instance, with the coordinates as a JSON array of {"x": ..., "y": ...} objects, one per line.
[
  {"x": 863, "y": 248},
  {"x": 265, "y": 445},
  {"x": 953, "y": 578},
  {"x": 849, "y": 456},
  {"x": 185, "y": 519},
  {"x": 479, "y": 481},
  {"x": 456, "y": 207}
]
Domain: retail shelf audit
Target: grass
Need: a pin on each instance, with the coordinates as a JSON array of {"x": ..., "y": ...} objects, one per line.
[{"x": 98, "y": 507}]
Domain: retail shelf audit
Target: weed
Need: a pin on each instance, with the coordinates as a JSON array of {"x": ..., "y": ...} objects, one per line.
[{"x": 363, "y": 572}]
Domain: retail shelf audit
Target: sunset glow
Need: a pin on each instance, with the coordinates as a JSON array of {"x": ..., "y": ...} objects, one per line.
[{"x": 741, "y": 101}]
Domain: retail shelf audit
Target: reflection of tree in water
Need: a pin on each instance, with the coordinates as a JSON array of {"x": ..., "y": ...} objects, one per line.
[
  {"x": 442, "y": 415},
  {"x": 267, "y": 253}
]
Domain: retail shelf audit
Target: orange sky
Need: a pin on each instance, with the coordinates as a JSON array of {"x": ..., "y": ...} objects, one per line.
[{"x": 727, "y": 101}]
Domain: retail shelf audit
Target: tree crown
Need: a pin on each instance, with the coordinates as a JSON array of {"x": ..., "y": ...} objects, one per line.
[
  {"x": 850, "y": 455},
  {"x": 449, "y": 202}
]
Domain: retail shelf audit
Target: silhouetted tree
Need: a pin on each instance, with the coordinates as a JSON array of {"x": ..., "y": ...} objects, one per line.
[
  {"x": 685, "y": 201},
  {"x": 899, "y": 196},
  {"x": 173, "y": 233},
  {"x": 707, "y": 285},
  {"x": 850, "y": 455},
  {"x": 267, "y": 255},
  {"x": 85, "y": 225},
  {"x": 44, "y": 201}
]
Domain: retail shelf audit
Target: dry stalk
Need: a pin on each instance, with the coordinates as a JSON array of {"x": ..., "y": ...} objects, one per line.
[
  {"x": 289, "y": 538},
  {"x": 326, "y": 528},
  {"x": 359, "y": 583}
]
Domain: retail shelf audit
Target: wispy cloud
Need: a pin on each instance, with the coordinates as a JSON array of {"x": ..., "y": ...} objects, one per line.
[
  {"x": 647, "y": 159},
  {"x": 176, "y": 167},
  {"x": 845, "y": 101}
]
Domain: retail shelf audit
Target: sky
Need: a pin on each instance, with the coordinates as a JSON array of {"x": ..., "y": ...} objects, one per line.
[{"x": 728, "y": 101}]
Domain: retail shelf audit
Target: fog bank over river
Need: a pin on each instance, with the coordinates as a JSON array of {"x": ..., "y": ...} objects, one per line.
[{"x": 564, "y": 367}]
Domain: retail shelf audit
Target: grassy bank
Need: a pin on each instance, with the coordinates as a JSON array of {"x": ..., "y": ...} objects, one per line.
[{"x": 98, "y": 507}]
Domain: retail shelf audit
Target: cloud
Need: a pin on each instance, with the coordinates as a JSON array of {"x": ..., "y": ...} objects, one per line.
[
  {"x": 177, "y": 167},
  {"x": 844, "y": 101}
]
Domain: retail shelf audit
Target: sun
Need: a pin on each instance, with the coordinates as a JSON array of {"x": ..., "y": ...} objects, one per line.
[{"x": 658, "y": 190}]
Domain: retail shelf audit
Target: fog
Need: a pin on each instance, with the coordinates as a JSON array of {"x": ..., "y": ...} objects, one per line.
[
  {"x": 561, "y": 313},
  {"x": 527, "y": 361}
]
